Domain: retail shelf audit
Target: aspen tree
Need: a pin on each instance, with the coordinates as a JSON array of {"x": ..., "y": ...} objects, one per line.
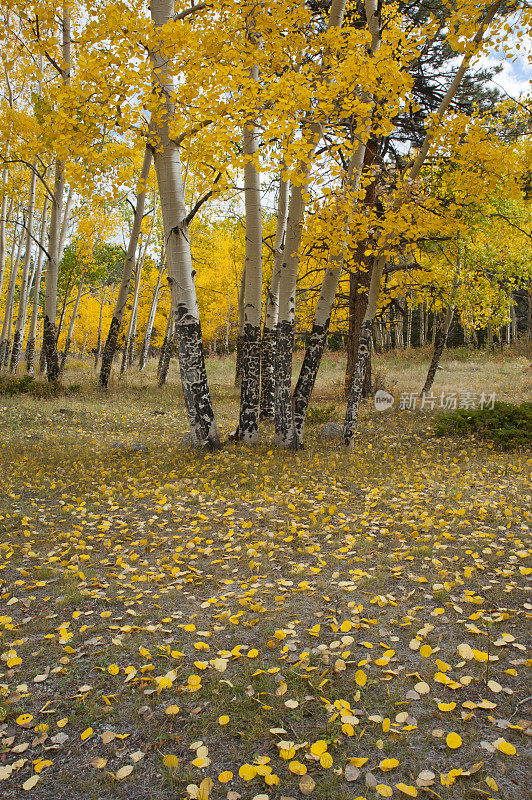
[
  {"x": 18, "y": 336},
  {"x": 364, "y": 347},
  {"x": 54, "y": 238},
  {"x": 129, "y": 262},
  {"x": 153, "y": 310},
  {"x": 32, "y": 330},
  {"x": 71, "y": 327},
  {"x": 333, "y": 271},
  {"x": 312, "y": 131},
  {"x": 180, "y": 269},
  {"x": 248, "y": 423},
  {"x": 271, "y": 309}
]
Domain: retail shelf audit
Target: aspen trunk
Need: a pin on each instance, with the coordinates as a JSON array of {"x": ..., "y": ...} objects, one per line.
[
  {"x": 271, "y": 310},
  {"x": 166, "y": 356},
  {"x": 71, "y": 328},
  {"x": 4, "y": 219},
  {"x": 364, "y": 349},
  {"x": 180, "y": 268},
  {"x": 54, "y": 239},
  {"x": 439, "y": 346},
  {"x": 100, "y": 322},
  {"x": 168, "y": 334},
  {"x": 408, "y": 342},
  {"x": 285, "y": 432},
  {"x": 5, "y": 337},
  {"x": 62, "y": 240},
  {"x": 248, "y": 422},
  {"x": 128, "y": 344},
  {"x": 320, "y": 329},
  {"x": 20, "y": 326},
  {"x": 151, "y": 317},
  {"x": 240, "y": 332},
  {"x": 52, "y": 270},
  {"x": 422, "y": 324},
  {"x": 129, "y": 262}
]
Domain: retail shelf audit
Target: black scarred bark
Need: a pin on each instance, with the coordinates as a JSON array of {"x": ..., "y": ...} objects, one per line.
[
  {"x": 267, "y": 373},
  {"x": 307, "y": 377},
  {"x": 30, "y": 355},
  {"x": 284, "y": 428},
  {"x": 248, "y": 422},
  {"x": 195, "y": 386},
  {"x": 50, "y": 349},
  {"x": 3, "y": 346},
  {"x": 359, "y": 375},
  {"x": 15, "y": 351},
  {"x": 42, "y": 360},
  {"x": 109, "y": 352},
  {"x": 439, "y": 347}
]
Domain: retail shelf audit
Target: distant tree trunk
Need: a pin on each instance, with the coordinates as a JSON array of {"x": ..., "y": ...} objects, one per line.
[
  {"x": 5, "y": 214},
  {"x": 167, "y": 353},
  {"x": 5, "y": 336},
  {"x": 129, "y": 262},
  {"x": 240, "y": 333},
  {"x": 439, "y": 346},
  {"x": 151, "y": 317},
  {"x": 421, "y": 308},
  {"x": 168, "y": 334},
  {"x": 529, "y": 317},
  {"x": 100, "y": 322},
  {"x": 271, "y": 309},
  {"x": 409, "y": 327},
  {"x": 71, "y": 328},
  {"x": 24, "y": 284},
  {"x": 130, "y": 336}
]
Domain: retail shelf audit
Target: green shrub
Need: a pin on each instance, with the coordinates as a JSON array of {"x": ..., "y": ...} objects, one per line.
[
  {"x": 11, "y": 386},
  {"x": 317, "y": 415},
  {"x": 508, "y": 426}
]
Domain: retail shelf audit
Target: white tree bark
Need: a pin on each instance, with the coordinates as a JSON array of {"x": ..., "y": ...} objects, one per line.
[
  {"x": 32, "y": 332},
  {"x": 129, "y": 262},
  {"x": 5, "y": 336},
  {"x": 271, "y": 309},
  {"x": 54, "y": 241},
  {"x": 248, "y": 424},
  {"x": 312, "y": 131},
  {"x": 71, "y": 327},
  {"x": 151, "y": 316},
  {"x": 4, "y": 218},
  {"x": 20, "y": 325},
  {"x": 179, "y": 259}
]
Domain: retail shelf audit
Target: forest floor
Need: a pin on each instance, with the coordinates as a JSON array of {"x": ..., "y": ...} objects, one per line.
[{"x": 260, "y": 624}]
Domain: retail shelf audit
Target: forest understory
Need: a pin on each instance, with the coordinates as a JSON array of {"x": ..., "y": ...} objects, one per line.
[{"x": 252, "y": 623}]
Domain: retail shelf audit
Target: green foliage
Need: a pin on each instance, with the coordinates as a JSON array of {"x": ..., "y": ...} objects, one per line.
[
  {"x": 317, "y": 415},
  {"x": 9, "y": 387},
  {"x": 508, "y": 426}
]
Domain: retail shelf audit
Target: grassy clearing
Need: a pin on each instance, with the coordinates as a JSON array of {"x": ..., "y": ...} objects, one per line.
[{"x": 168, "y": 617}]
